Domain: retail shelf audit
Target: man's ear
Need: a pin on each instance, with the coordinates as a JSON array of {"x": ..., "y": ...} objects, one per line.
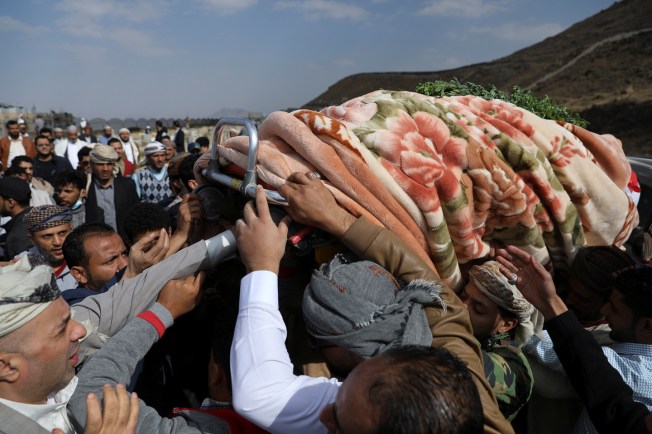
[
  {"x": 508, "y": 324},
  {"x": 10, "y": 364},
  {"x": 82, "y": 193},
  {"x": 192, "y": 184},
  {"x": 29, "y": 235},
  {"x": 79, "y": 273}
]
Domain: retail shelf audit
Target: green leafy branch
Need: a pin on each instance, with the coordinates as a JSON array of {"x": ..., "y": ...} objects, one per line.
[{"x": 542, "y": 107}]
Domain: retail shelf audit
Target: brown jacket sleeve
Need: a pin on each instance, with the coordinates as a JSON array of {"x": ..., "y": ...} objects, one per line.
[
  {"x": 451, "y": 329},
  {"x": 30, "y": 150}
]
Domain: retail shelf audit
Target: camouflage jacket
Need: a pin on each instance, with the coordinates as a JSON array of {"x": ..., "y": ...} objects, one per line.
[{"x": 508, "y": 372}]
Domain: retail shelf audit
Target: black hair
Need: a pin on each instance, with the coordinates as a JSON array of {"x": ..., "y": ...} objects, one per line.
[
  {"x": 144, "y": 217},
  {"x": 636, "y": 286},
  {"x": 113, "y": 140},
  {"x": 21, "y": 159},
  {"x": 73, "y": 246},
  {"x": 596, "y": 267},
  {"x": 44, "y": 130},
  {"x": 41, "y": 136},
  {"x": 11, "y": 122},
  {"x": 84, "y": 152},
  {"x": 203, "y": 141},
  {"x": 186, "y": 169},
  {"x": 66, "y": 177},
  {"x": 15, "y": 170},
  {"x": 425, "y": 390}
]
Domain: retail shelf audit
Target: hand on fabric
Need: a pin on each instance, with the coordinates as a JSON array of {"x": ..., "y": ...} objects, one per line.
[
  {"x": 310, "y": 203},
  {"x": 147, "y": 252},
  {"x": 260, "y": 242},
  {"x": 180, "y": 296},
  {"x": 120, "y": 414},
  {"x": 532, "y": 279}
]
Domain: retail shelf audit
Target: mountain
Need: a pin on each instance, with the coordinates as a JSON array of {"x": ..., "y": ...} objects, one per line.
[{"x": 600, "y": 67}]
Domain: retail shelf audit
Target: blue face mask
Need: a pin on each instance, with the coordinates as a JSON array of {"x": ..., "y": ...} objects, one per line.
[{"x": 77, "y": 204}]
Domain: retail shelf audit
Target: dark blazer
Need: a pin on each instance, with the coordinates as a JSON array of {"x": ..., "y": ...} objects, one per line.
[
  {"x": 124, "y": 197},
  {"x": 180, "y": 140}
]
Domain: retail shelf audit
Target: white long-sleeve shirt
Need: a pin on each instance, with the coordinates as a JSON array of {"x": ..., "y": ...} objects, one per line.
[{"x": 265, "y": 390}]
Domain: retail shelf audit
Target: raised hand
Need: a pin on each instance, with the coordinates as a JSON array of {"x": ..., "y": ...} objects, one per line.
[
  {"x": 532, "y": 279},
  {"x": 180, "y": 296},
  {"x": 147, "y": 252},
  {"x": 310, "y": 203},
  {"x": 261, "y": 243}
]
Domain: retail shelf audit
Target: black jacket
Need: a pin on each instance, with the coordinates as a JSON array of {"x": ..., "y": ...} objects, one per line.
[{"x": 124, "y": 197}]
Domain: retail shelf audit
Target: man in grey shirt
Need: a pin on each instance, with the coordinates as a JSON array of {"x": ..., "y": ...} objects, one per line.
[{"x": 109, "y": 196}]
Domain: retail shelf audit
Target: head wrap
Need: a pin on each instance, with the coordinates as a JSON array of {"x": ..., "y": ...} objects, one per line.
[
  {"x": 362, "y": 307},
  {"x": 47, "y": 216},
  {"x": 24, "y": 293},
  {"x": 492, "y": 283},
  {"x": 57, "y": 130},
  {"x": 153, "y": 148},
  {"x": 103, "y": 154},
  {"x": 123, "y": 130},
  {"x": 71, "y": 129}
]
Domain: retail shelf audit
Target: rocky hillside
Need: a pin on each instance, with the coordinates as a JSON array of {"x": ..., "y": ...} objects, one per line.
[{"x": 600, "y": 67}]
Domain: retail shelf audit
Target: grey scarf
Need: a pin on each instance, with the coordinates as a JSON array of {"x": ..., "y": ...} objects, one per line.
[{"x": 362, "y": 307}]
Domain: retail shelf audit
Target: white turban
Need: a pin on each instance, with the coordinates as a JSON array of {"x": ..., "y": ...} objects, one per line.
[
  {"x": 492, "y": 283},
  {"x": 24, "y": 293},
  {"x": 153, "y": 148}
]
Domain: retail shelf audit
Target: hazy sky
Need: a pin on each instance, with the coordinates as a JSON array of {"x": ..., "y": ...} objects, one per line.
[{"x": 174, "y": 58}]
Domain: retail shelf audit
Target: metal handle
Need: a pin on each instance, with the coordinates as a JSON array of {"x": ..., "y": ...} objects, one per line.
[{"x": 248, "y": 185}]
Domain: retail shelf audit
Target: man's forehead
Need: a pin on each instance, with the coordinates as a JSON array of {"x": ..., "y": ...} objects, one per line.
[{"x": 54, "y": 230}]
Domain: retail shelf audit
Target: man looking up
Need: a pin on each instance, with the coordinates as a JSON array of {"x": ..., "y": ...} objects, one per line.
[
  {"x": 152, "y": 183},
  {"x": 97, "y": 258},
  {"x": 48, "y": 226},
  {"x": 46, "y": 163},
  {"x": 14, "y": 144},
  {"x": 14, "y": 202},
  {"x": 114, "y": 195}
]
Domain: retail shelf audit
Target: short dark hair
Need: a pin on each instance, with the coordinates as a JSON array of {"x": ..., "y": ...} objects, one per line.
[
  {"x": 176, "y": 123},
  {"x": 73, "y": 246},
  {"x": 203, "y": 141},
  {"x": 144, "y": 217},
  {"x": 84, "y": 152},
  {"x": 41, "y": 136},
  {"x": 159, "y": 123},
  {"x": 21, "y": 159},
  {"x": 44, "y": 130},
  {"x": 186, "y": 169},
  {"x": 425, "y": 390},
  {"x": 11, "y": 122},
  {"x": 636, "y": 286},
  {"x": 113, "y": 140},
  {"x": 596, "y": 268},
  {"x": 15, "y": 170},
  {"x": 66, "y": 177}
]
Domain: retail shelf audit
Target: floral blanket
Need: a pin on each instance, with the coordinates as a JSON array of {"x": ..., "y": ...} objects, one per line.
[{"x": 455, "y": 176}]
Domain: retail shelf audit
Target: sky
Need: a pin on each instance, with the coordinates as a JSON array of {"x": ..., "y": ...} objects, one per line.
[{"x": 178, "y": 58}]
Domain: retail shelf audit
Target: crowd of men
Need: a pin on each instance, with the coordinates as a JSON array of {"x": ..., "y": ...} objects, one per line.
[{"x": 129, "y": 302}]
